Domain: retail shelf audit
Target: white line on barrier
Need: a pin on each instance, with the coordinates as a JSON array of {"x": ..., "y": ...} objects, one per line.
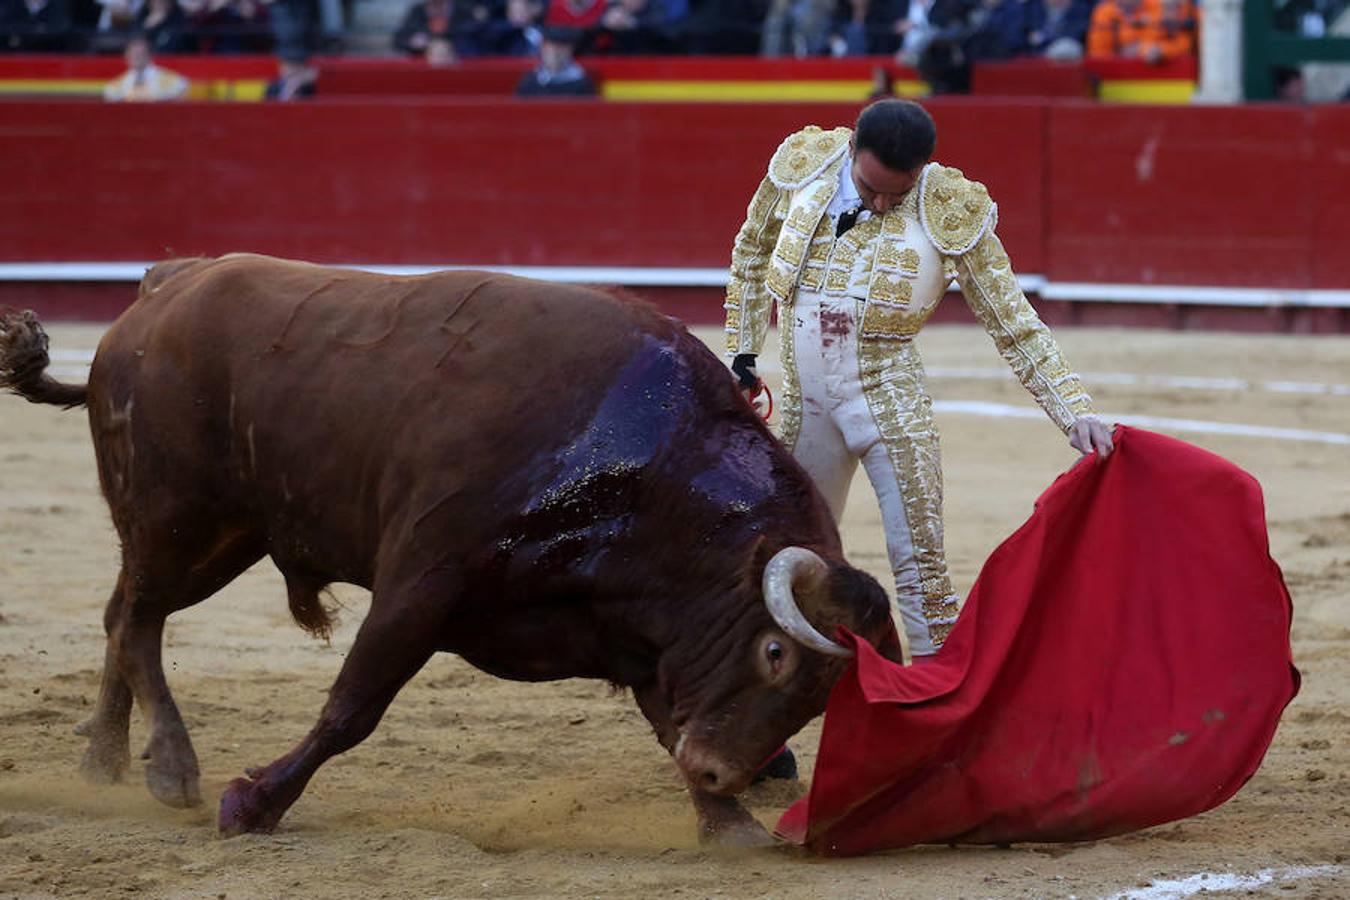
[
  {"x": 650, "y": 276},
  {"x": 630, "y": 276},
  {"x": 1208, "y": 882}
]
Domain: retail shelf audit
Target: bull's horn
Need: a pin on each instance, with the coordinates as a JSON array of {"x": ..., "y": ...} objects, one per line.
[{"x": 789, "y": 566}]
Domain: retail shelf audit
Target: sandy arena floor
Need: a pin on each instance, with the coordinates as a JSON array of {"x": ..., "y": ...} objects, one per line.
[{"x": 475, "y": 787}]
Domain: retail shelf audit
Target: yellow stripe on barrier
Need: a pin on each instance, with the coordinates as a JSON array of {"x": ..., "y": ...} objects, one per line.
[
  {"x": 739, "y": 91},
  {"x": 1160, "y": 91},
  {"x": 64, "y": 86},
  {"x": 243, "y": 89}
]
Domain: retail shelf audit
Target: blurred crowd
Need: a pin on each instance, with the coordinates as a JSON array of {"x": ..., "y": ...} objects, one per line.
[
  {"x": 459, "y": 29},
  {"x": 940, "y": 37}
]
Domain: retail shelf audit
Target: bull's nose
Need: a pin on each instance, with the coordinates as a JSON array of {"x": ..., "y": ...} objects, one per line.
[{"x": 707, "y": 771}]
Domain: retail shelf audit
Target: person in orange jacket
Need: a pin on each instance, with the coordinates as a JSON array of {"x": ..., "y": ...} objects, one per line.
[{"x": 1152, "y": 30}]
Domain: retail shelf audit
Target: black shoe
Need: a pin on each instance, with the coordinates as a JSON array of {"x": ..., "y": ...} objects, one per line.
[{"x": 783, "y": 766}]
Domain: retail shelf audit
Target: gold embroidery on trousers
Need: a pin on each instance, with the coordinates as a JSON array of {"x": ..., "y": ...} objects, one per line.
[{"x": 902, "y": 411}]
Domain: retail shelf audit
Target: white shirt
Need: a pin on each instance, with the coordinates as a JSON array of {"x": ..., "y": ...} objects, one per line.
[
  {"x": 846, "y": 197},
  {"x": 151, "y": 83}
]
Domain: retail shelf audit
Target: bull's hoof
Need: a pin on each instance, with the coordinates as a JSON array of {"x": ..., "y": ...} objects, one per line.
[
  {"x": 739, "y": 835},
  {"x": 243, "y": 811},
  {"x": 174, "y": 786},
  {"x": 107, "y": 759}
]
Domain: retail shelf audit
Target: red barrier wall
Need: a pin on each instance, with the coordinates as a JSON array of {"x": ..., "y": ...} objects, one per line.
[
  {"x": 1242, "y": 196},
  {"x": 1328, "y": 191},
  {"x": 439, "y": 181},
  {"x": 1207, "y": 195}
]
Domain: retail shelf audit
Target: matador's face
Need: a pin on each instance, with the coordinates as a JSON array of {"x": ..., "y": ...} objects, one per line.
[{"x": 880, "y": 187}]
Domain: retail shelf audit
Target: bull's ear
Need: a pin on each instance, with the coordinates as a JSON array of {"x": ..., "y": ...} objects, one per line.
[
  {"x": 859, "y": 602},
  {"x": 889, "y": 647},
  {"x": 760, "y": 554}
]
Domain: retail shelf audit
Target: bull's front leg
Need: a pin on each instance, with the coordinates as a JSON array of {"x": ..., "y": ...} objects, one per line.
[
  {"x": 724, "y": 822},
  {"x": 395, "y": 641}
]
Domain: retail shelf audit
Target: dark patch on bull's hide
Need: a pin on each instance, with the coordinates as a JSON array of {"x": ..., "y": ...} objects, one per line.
[
  {"x": 637, "y": 419},
  {"x": 589, "y": 498}
]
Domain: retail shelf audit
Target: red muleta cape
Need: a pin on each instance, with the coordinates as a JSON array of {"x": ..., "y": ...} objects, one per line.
[{"x": 1122, "y": 661}]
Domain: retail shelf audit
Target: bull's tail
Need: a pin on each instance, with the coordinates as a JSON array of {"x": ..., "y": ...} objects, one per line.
[{"x": 24, "y": 360}]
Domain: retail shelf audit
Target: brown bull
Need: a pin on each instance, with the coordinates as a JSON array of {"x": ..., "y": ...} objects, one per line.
[{"x": 547, "y": 480}]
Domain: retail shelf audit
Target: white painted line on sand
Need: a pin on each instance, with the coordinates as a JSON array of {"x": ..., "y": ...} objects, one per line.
[
  {"x": 1210, "y": 882},
  {"x": 1130, "y": 379},
  {"x": 1194, "y": 426},
  {"x": 73, "y": 363}
]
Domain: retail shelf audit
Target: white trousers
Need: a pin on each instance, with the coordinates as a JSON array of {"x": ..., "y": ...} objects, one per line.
[{"x": 837, "y": 430}]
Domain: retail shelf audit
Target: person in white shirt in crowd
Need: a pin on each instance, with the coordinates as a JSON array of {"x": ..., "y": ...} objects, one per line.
[{"x": 143, "y": 80}]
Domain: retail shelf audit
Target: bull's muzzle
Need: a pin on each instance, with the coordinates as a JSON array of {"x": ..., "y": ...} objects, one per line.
[
  {"x": 708, "y": 771},
  {"x": 791, "y": 571}
]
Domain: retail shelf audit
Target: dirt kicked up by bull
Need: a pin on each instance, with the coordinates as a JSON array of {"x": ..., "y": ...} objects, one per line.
[{"x": 549, "y": 481}]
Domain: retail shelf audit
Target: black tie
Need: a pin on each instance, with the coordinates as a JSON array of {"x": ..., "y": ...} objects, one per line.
[{"x": 846, "y": 220}]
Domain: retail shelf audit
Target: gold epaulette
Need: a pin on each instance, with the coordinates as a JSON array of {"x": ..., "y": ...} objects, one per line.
[
  {"x": 955, "y": 212},
  {"x": 804, "y": 156}
]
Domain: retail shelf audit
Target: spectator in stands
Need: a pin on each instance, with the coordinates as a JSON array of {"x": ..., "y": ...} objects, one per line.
[
  {"x": 581, "y": 15},
  {"x": 1180, "y": 29},
  {"x": 440, "y": 53},
  {"x": 883, "y": 88},
  {"x": 294, "y": 24},
  {"x": 997, "y": 30},
  {"x": 943, "y": 63},
  {"x": 516, "y": 33},
  {"x": 143, "y": 80},
  {"x": 1058, "y": 28},
  {"x": 1289, "y": 84},
  {"x": 724, "y": 26},
  {"x": 28, "y": 26},
  {"x": 228, "y": 26},
  {"x": 926, "y": 21},
  {"x": 630, "y": 27},
  {"x": 455, "y": 21},
  {"x": 1306, "y": 18},
  {"x": 118, "y": 16},
  {"x": 797, "y": 28},
  {"x": 295, "y": 79},
  {"x": 1151, "y": 30},
  {"x": 422, "y": 22},
  {"x": 557, "y": 74},
  {"x": 165, "y": 26},
  {"x": 867, "y": 27}
]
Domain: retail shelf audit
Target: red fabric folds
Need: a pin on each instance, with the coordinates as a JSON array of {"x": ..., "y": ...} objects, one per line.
[{"x": 1122, "y": 661}]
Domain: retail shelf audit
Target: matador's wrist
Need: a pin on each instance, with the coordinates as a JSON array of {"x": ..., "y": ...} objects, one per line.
[{"x": 744, "y": 367}]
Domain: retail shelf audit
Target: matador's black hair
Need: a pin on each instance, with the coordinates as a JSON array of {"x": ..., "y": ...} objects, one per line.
[{"x": 900, "y": 133}]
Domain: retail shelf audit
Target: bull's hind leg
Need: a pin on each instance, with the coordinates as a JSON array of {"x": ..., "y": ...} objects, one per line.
[
  {"x": 394, "y": 642},
  {"x": 109, "y": 755},
  {"x": 153, "y": 585}
]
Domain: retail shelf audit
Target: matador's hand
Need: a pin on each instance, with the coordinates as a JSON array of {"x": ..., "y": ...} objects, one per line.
[
  {"x": 1088, "y": 435},
  {"x": 744, "y": 367}
]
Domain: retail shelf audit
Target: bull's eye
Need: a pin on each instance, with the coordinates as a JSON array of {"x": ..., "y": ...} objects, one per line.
[{"x": 777, "y": 659}]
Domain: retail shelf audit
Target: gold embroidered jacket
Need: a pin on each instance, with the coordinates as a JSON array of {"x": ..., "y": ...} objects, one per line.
[{"x": 896, "y": 266}]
